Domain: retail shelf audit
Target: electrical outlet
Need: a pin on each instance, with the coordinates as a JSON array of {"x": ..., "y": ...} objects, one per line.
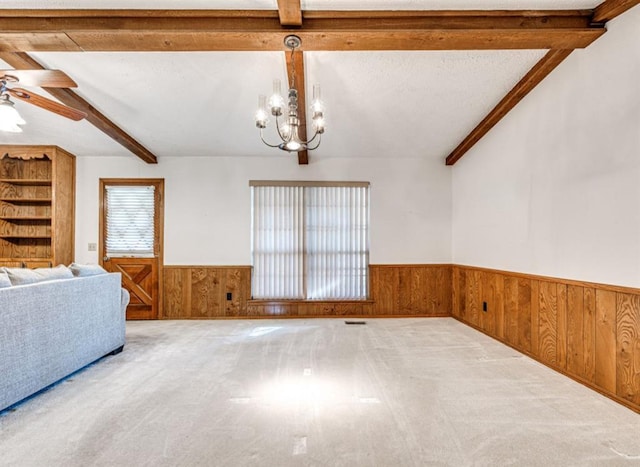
[
  {"x": 93, "y": 247},
  {"x": 229, "y": 296},
  {"x": 484, "y": 306}
]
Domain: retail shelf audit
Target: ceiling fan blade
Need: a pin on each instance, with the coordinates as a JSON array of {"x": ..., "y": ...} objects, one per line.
[
  {"x": 41, "y": 78},
  {"x": 48, "y": 104}
]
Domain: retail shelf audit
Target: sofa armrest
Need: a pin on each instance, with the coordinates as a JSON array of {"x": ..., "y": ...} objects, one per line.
[{"x": 124, "y": 299}]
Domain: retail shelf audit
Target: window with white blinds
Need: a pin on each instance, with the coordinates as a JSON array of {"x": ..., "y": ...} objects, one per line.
[
  {"x": 130, "y": 220},
  {"x": 309, "y": 240}
]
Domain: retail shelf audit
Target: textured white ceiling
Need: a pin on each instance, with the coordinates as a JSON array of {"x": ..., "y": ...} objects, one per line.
[
  {"x": 306, "y": 4},
  {"x": 411, "y": 104},
  {"x": 379, "y": 104},
  {"x": 142, "y": 4},
  {"x": 447, "y": 4}
]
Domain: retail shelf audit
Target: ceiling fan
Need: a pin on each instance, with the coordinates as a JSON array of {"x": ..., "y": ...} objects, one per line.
[{"x": 39, "y": 78}]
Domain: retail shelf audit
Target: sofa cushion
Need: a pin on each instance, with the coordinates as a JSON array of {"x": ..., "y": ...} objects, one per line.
[
  {"x": 84, "y": 270},
  {"x": 22, "y": 276},
  {"x": 4, "y": 279}
]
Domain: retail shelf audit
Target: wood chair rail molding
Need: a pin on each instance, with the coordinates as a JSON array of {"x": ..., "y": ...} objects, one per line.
[{"x": 524, "y": 275}]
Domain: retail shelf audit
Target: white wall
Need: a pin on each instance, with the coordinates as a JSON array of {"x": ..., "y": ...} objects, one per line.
[
  {"x": 208, "y": 207},
  {"x": 554, "y": 189}
]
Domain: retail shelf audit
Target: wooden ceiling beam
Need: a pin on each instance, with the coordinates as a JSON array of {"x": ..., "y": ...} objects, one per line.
[
  {"x": 237, "y": 30},
  {"x": 22, "y": 61},
  {"x": 603, "y": 13},
  {"x": 290, "y": 12},
  {"x": 609, "y": 9},
  {"x": 295, "y": 67},
  {"x": 201, "y": 41},
  {"x": 54, "y": 17},
  {"x": 541, "y": 69}
]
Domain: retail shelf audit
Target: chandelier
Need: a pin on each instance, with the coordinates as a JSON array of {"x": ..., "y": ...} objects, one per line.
[{"x": 288, "y": 126}]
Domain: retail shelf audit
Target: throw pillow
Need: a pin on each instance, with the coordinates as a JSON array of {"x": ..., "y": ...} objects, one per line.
[
  {"x": 84, "y": 270},
  {"x": 4, "y": 279},
  {"x": 50, "y": 274},
  {"x": 23, "y": 276}
]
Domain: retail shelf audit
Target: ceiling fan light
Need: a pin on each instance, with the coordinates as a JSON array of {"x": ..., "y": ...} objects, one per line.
[
  {"x": 9, "y": 117},
  {"x": 9, "y": 127},
  {"x": 18, "y": 118}
]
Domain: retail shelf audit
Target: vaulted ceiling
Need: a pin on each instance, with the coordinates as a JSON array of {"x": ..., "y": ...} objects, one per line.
[{"x": 175, "y": 77}]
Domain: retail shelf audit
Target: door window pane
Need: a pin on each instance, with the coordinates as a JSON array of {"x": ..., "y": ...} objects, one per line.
[{"x": 130, "y": 221}]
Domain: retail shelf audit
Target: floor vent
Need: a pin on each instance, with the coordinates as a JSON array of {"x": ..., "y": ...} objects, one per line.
[{"x": 355, "y": 322}]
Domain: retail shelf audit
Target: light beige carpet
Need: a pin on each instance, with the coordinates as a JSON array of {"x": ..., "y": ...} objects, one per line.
[{"x": 394, "y": 392}]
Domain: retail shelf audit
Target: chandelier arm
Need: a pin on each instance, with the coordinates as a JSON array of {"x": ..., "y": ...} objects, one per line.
[
  {"x": 263, "y": 140},
  {"x": 319, "y": 141},
  {"x": 312, "y": 139}
]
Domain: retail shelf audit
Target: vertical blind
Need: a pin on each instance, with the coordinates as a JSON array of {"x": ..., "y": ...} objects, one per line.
[
  {"x": 310, "y": 241},
  {"x": 130, "y": 220},
  {"x": 278, "y": 250}
]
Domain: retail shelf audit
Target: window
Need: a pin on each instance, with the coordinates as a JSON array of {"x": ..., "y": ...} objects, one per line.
[
  {"x": 130, "y": 220},
  {"x": 310, "y": 240}
]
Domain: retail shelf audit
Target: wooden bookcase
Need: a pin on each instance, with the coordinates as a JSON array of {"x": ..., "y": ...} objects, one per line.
[{"x": 37, "y": 206}]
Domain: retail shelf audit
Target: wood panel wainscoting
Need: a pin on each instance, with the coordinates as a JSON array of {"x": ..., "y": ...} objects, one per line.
[
  {"x": 410, "y": 289},
  {"x": 588, "y": 331},
  {"x": 198, "y": 292}
]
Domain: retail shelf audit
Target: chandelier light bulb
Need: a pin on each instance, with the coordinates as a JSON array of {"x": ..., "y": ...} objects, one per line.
[
  {"x": 285, "y": 130},
  {"x": 316, "y": 103},
  {"x": 319, "y": 124},
  {"x": 276, "y": 102},
  {"x": 262, "y": 118}
]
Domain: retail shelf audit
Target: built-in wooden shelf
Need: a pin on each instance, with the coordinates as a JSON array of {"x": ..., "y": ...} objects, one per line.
[
  {"x": 36, "y": 206},
  {"x": 26, "y": 262},
  {"x": 26, "y": 200},
  {"x": 26, "y": 181},
  {"x": 25, "y": 218},
  {"x": 18, "y": 237}
]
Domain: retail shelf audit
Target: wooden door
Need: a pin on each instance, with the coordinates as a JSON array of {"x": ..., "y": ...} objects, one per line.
[
  {"x": 140, "y": 277},
  {"x": 141, "y": 272}
]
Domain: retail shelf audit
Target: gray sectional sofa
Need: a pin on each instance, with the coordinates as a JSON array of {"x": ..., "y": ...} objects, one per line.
[{"x": 51, "y": 328}]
